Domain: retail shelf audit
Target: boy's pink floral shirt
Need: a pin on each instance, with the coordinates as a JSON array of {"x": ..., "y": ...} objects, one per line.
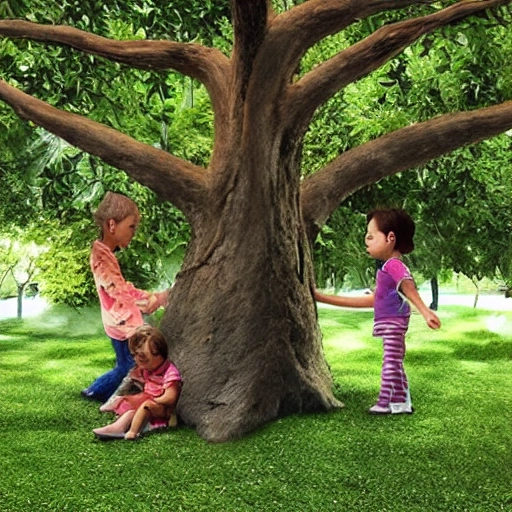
[{"x": 120, "y": 315}]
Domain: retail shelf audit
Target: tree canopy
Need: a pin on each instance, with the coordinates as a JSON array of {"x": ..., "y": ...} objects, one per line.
[{"x": 466, "y": 189}]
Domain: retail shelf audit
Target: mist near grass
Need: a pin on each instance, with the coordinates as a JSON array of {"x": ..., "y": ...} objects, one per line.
[{"x": 499, "y": 324}]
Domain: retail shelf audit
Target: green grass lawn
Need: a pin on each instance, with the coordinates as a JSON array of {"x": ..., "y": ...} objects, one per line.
[{"x": 453, "y": 454}]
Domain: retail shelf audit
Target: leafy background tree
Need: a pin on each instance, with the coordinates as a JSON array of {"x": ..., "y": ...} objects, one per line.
[{"x": 463, "y": 224}]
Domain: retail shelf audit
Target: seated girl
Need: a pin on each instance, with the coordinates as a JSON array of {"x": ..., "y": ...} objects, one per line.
[{"x": 154, "y": 406}]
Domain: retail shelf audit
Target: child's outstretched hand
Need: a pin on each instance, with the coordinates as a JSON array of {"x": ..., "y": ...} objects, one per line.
[
  {"x": 432, "y": 320},
  {"x": 148, "y": 306}
]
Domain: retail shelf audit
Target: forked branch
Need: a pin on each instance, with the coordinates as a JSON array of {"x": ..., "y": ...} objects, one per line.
[
  {"x": 407, "y": 148},
  {"x": 351, "y": 64},
  {"x": 291, "y": 34},
  {"x": 311, "y": 21},
  {"x": 207, "y": 65}
]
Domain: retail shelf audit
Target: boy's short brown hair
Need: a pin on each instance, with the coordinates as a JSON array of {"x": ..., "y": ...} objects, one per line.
[{"x": 114, "y": 206}]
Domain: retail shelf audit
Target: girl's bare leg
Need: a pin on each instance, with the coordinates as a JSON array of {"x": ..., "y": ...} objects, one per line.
[
  {"x": 140, "y": 418},
  {"x": 118, "y": 428}
]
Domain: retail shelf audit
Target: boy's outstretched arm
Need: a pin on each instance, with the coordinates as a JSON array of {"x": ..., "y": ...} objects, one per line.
[
  {"x": 410, "y": 291},
  {"x": 363, "y": 301}
]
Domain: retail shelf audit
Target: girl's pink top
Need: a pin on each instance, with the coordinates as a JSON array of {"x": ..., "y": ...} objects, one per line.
[
  {"x": 155, "y": 384},
  {"x": 119, "y": 311},
  {"x": 389, "y": 302},
  {"x": 157, "y": 381}
]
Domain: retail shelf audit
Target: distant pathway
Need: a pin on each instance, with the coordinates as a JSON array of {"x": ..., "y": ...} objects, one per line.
[
  {"x": 488, "y": 301},
  {"x": 31, "y": 307}
]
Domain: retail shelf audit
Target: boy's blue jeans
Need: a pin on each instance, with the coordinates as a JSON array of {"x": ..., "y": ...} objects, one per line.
[{"x": 105, "y": 385}]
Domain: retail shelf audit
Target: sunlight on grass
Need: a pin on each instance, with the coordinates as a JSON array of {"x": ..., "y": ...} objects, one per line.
[
  {"x": 346, "y": 344},
  {"x": 53, "y": 364},
  {"x": 18, "y": 360},
  {"x": 474, "y": 367},
  {"x": 499, "y": 324}
]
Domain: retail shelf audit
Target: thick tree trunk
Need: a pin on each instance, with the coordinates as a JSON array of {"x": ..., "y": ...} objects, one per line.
[{"x": 242, "y": 322}]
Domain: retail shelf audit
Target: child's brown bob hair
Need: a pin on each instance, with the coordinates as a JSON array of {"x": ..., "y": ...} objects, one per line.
[
  {"x": 397, "y": 221},
  {"x": 153, "y": 336}
]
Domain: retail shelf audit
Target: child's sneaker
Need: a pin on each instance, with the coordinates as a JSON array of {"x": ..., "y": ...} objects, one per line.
[
  {"x": 379, "y": 409},
  {"x": 401, "y": 408}
]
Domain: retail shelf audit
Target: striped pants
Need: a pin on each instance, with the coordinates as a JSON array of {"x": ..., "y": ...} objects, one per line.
[{"x": 394, "y": 387}]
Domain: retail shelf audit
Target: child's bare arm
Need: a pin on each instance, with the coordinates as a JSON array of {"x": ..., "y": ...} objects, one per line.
[
  {"x": 409, "y": 290},
  {"x": 169, "y": 396},
  {"x": 363, "y": 301},
  {"x": 153, "y": 302}
]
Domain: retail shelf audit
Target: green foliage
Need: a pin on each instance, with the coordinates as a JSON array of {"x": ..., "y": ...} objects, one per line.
[
  {"x": 350, "y": 267},
  {"x": 193, "y": 19},
  {"x": 461, "y": 202},
  {"x": 470, "y": 215},
  {"x": 65, "y": 274},
  {"x": 186, "y": 125},
  {"x": 454, "y": 69},
  {"x": 448, "y": 456}
]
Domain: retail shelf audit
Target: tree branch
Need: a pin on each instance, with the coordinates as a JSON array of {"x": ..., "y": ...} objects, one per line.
[
  {"x": 250, "y": 26},
  {"x": 293, "y": 32},
  {"x": 175, "y": 180},
  {"x": 207, "y": 65},
  {"x": 407, "y": 148},
  {"x": 309, "y": 22},
  {"x": 317, "y": 86}
]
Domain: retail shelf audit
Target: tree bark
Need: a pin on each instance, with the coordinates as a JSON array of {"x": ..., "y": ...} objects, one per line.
[{"x": 242, "y": 323}]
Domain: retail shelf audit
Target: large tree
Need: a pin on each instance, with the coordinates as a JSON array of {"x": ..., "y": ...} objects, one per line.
[{"x": 241, "y": 319}]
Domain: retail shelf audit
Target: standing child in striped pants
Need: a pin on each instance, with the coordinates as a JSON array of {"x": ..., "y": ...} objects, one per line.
[{"x": 389, "y": 235}]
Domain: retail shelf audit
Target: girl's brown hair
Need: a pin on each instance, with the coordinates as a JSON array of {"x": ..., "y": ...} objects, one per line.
[
  {"x": 153, "y": 336},
  {"x": 398, "y": 221}
]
